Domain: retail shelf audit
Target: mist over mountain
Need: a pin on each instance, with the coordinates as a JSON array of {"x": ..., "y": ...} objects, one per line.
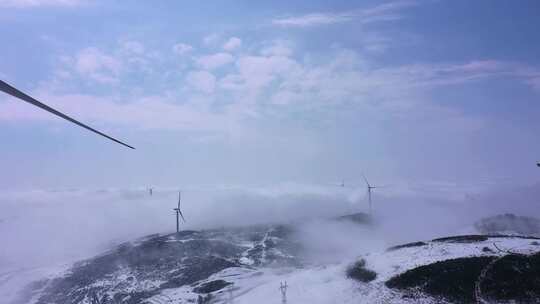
[
  {"x": 509, "y": 224},
  {"x": 284, "y": 233},
  {"x": 323, "y": 260}
]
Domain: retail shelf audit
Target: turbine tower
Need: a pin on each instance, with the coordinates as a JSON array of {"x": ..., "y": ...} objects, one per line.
[
  {"x": 179, "y": 213},
  {"x": 369, "y": 188}
]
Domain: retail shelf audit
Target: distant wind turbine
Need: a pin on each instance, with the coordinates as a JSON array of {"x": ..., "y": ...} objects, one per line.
[
  {"x": 8, "y": 89},
  {"x": 179, "y": 213},
  {"x": 338, "y": 184},
  {"x": 369, "y": 188}
]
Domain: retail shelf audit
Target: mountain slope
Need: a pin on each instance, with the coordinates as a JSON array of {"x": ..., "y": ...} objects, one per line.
[{"x": 247, "y": 265}]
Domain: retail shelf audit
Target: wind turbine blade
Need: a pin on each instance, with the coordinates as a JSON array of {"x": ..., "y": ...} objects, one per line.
[
  {"x": 365, "y": 179},
  {"x": 6, "y": 88},
  {"x": 183, "y": 219},
  {"x": 179, "y": 198}
]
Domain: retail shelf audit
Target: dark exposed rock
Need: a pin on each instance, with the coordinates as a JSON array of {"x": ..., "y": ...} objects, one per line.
[
  {"x": 453, "y": 280},
  {"x": 196, "y": 269},
  {"x": 357, "y": 218},
  {"x": 463, "y": 239},
  {"x": 513, "y": 278},
  {"x": 487, "y": 249},
  {"x": 476, "y": 238},
  {"x": 211, "y": 286},
  {"x": 408, "y": 245},
  {"x": 359, "y": 272}
]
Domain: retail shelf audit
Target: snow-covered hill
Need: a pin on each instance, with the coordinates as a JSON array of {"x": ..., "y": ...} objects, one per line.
[{"x": 248, "y": 264}]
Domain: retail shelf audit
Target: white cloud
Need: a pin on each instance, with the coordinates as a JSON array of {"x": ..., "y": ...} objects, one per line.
[
  {"x": 93, "y": 63},
  {"x": 312, "y": 19},
  {"x": 145, "y": 112},
  {"x": 109, "y": 66},
  {"x": 347, "y": 79},
  {"x": 210, "y": 39},
  {"x": 277, "y": 48},
  {"x": 38, "y": 3},
  {"x": 380, "y": 13},
  {"x": 259, "y": 71},
  {"x": 271, "y": 76},
  {"x": 285, "y": 98},
  {"x": 254, "y": 75},
  {"x": 232, "y": 44},
  {"x": 214, "y": 61},
  {"x": 202, "y": 81},
  {"x": 182, "y": 48},
  {"x": 386, "y": 11}
]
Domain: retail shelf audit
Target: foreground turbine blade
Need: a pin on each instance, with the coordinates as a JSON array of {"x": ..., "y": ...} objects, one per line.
[{"x": 6, "y": 88}]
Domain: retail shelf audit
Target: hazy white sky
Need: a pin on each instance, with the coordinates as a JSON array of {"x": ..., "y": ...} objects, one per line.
[{"x": 247, "y": 92}]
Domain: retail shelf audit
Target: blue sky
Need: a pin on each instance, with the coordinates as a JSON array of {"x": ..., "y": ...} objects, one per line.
[{"x": 250, "y": 92}]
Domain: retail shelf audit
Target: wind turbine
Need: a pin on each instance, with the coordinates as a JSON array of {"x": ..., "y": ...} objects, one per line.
[
  {"x": 338, "y": 184},
  {"x": 369, "y": 188},
  {"x": 179, "y": 212}
]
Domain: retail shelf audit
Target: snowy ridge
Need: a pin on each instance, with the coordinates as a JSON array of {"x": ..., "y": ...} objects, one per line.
[
  {"x": 247, "y": 265},
  {"x": 393, "y": 262}
]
